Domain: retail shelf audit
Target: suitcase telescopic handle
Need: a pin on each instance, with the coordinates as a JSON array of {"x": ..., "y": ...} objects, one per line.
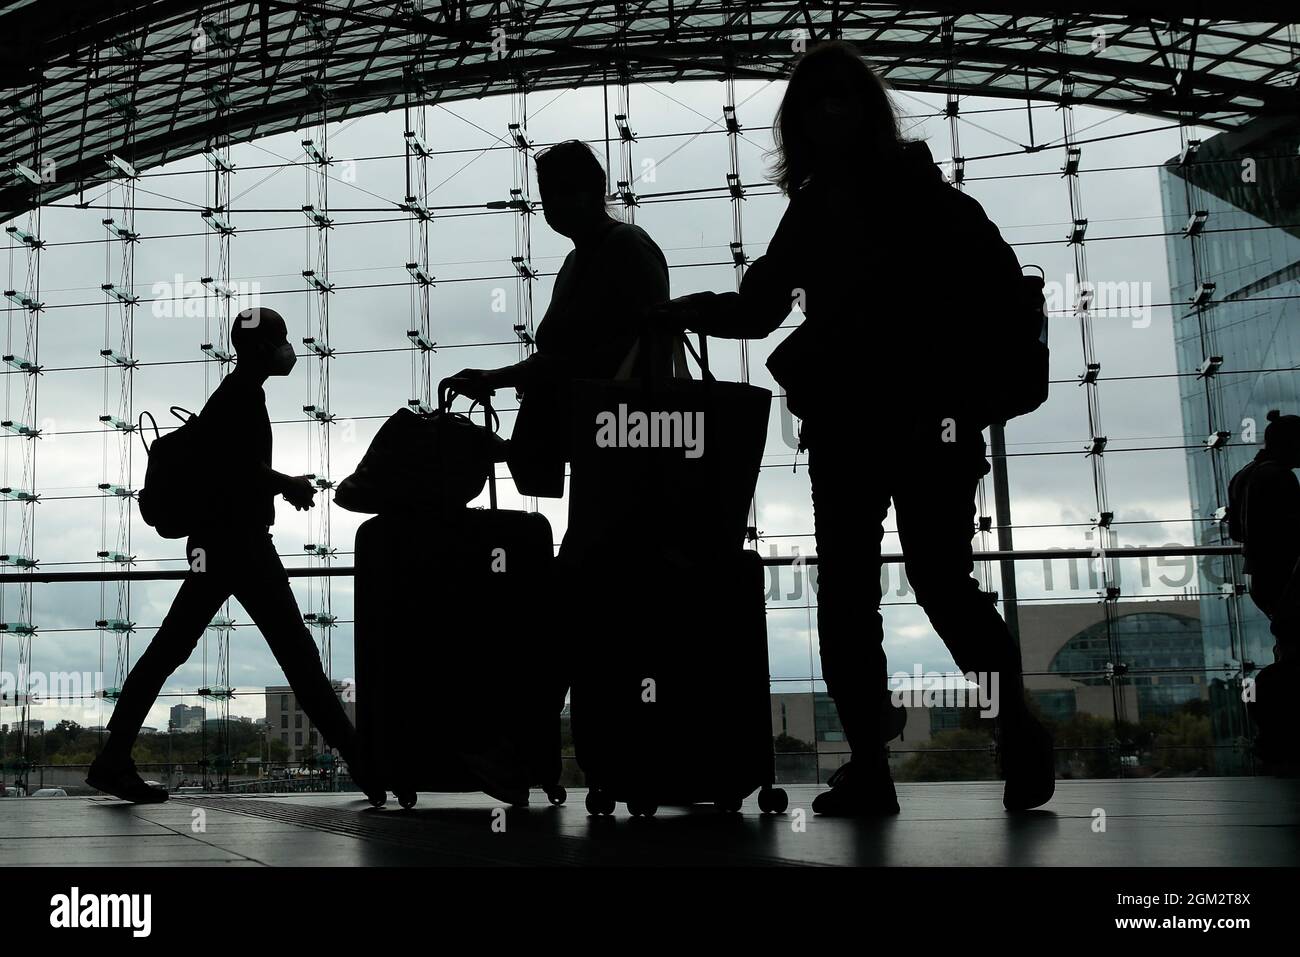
[{"x": 489, "y": 417}]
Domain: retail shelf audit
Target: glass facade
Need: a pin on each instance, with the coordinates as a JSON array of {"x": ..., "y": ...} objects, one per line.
[
  {"x": 1142, "y": 681},
  {"x": 1245, "y": 188}
]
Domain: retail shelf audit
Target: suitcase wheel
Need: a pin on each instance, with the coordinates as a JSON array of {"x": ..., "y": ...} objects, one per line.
[
  {"x": 556, "y": 794},
  {"x": 642, "y": 808},
  {"x": 599, "y": 803},
  {"x": 773, "y": 800},
  {"x": 729, "y": 805},
  {"x": 406, "y": 799}
]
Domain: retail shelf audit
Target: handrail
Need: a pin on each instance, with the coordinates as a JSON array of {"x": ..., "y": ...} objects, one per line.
[{"x": 891, "y": 558}]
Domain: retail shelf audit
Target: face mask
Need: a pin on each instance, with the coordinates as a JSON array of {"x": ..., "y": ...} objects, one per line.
[{"x": 284, "y": 358}]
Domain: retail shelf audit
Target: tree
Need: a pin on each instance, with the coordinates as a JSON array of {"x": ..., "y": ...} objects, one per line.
[
  {"x": 957, "y": 755},
  {"x": 785, "y": 744}
]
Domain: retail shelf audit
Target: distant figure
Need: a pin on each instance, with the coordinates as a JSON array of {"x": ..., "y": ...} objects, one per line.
[
  {"x": 231, "y": 553},
  {"x": 889, "y": 265},
  {"x": 601, "y": 296},
  {"x": 1264, "y": 516}
]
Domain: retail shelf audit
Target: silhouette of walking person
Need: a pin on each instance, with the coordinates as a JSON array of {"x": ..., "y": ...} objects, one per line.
[
  {"x": 602, "y": 293},
  {"x": 1264, "y": 516},
  {"x": 230, "y": 553},
  {"x": 887, "y": 263}
]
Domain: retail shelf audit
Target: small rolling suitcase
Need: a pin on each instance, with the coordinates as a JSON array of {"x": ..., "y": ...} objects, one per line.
[
  {"x": 453, "y": 657},
  {"x": 670, "y": 699}
]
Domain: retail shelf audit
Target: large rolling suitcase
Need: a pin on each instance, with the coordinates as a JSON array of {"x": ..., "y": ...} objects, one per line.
[
  {"x": 454, "y": 660},
  {"x": 670, "y": 703}
]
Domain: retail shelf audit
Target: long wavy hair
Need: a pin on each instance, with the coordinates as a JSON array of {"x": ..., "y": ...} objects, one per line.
[{"x": 833, "y": 67}]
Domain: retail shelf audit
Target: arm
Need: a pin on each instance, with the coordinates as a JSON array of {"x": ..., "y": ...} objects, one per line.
[
  {"x": 767, "y": 292},
  {"x": 536, "y": 369},
  {"x": 766, "y": 297},
  {"x": 223, "y": 421},
  {"x": 630, "y": 277},
  {"x": 296, "y": 489}
]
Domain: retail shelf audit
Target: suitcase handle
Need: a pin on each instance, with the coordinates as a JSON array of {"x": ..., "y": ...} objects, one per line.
[
  {"x": 491, "y": 421},
  {"x": 647, "y": 339},
  {"x": 447, "y": 395}
]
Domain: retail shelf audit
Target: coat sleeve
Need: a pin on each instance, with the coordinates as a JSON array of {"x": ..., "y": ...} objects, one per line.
[{"x": 768, "y": 290}]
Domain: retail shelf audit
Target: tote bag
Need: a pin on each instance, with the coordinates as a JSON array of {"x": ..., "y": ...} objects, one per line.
[{"x": 664, "y": 456}]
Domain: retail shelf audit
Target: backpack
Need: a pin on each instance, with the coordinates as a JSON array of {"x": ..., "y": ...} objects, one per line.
[
  {"x": 1017, "y": 380},
  {"x": 168, "y": 501},
  {"x": 1018, "y": 377},
  {"x": 1239, "y": 488}
]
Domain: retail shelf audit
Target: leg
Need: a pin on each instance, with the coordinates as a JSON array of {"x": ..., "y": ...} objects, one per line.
[
  {"x": 262, "y": 587},
  {"x": 1278, "y": 596},
  {"x": 849, "y": 627},
  {"x": 935, "y": 506},
  {"x": 113, "y": 772},
  {"x": 199, "y": 598},
  {"x": 1285, "y": 616},
  {"x": 850, "y": 631}
]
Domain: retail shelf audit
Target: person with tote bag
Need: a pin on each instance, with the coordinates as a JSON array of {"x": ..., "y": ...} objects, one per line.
[
  {"x": 903, "y": 283},
  {"x": 602, "y": 292}
]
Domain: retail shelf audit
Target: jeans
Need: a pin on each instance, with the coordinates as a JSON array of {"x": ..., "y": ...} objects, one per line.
[
  {"x": 243, "y": 564},
  {"x": 932, "y": 485}
]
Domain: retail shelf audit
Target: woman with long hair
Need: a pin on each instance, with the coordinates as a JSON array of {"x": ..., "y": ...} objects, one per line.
[{"x": 887, "y": 262}]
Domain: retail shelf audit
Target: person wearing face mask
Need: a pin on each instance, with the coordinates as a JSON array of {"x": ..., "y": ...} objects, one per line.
[
  {"x": 897, "y": 274},
  {"x": 230, "y": 553}
]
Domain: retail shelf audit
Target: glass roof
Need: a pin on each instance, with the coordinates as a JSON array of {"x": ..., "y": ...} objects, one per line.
[{"x": 156, "y": 81}]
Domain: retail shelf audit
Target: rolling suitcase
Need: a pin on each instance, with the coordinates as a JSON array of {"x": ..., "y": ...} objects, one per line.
[
  {"x": 670, "y": 699},
  {"x": 453, "y": 656}
]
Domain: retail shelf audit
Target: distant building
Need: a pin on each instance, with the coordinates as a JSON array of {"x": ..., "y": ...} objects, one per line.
[
  {"x": 148, "y": 730},
  {"x": 187, "y": 718},
  {"x": 287, "y": 723},
  {"x": 1149, "y": 662},
  {"x": 30, "y": 726},
  {"x": 1243, "y": 188},
  {"x": 1069, "y": 665}
]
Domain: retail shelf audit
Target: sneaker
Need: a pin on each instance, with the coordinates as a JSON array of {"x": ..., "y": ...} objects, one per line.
[
  {"x": 120, "y": 779},
  {"x": 866, "y": 791},
  {"x": 1028, "y": 765}
]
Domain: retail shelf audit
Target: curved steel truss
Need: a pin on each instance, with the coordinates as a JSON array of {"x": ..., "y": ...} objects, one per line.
[{"x": 155, "y": 80}]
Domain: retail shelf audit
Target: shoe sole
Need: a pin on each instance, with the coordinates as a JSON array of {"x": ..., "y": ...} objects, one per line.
[
  {"x": 884, "y": 812},
  {"x": 161, "y": 799}
]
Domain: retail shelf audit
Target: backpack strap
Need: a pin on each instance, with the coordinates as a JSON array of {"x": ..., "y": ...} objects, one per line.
[{"x": 140, "y": 425}]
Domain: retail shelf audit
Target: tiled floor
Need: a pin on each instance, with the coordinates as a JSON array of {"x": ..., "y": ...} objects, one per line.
[{"x": 1184, "y": 821}]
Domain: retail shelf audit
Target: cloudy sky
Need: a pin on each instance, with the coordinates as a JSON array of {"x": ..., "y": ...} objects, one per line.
[{"x": 679, "y": 129}]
